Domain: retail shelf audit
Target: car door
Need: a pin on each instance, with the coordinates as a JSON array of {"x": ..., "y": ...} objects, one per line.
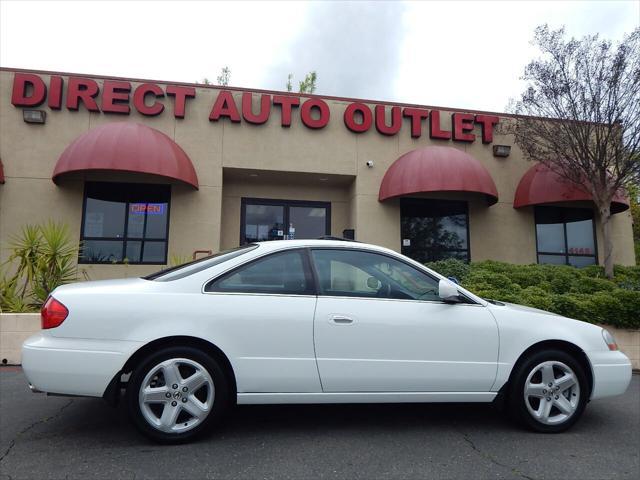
[
  {"x": 380, "y": 326},
  {"x": 265, "y": 310}
]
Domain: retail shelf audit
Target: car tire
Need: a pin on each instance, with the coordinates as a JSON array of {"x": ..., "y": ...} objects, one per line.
[
  {"x": 548, "y": 392},
  {"x": 177, "y": 394}
]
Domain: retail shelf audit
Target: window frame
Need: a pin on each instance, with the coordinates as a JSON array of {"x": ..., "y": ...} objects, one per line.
[
  {"x": 566, "y": 254},
  {"x": 468, "y": 301},
  {"x": 433, "y": 200},
  {"x": 312, "y": 287},
  {"x": 124, "y": 238},
  {"x": 285, "y": 204}
]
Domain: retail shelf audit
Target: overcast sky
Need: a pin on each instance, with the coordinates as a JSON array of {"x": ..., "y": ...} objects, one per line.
[{"x": 457, "y": 54}]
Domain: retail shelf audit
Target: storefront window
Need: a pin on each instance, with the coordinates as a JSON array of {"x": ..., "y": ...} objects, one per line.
[
  {"x": 125, "y": 222},
  {"x": 565, "y": 236},
  {"x": 264, "y": 219},
  {"x": 434, "y": 229}
]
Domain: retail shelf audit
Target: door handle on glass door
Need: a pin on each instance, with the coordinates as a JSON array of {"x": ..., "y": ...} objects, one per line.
[{"x": 341, "y": 320}]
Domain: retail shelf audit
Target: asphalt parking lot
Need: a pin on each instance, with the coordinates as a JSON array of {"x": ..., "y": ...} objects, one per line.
[{"x": 55, "y": 437}]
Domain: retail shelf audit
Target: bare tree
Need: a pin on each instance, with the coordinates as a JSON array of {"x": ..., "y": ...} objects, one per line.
[{"x": 580, "y": 115}]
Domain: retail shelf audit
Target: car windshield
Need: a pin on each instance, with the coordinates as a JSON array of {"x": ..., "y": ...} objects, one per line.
[{"x": 186, "y": 269}]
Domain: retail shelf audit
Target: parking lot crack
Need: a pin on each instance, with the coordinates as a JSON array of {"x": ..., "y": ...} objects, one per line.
[
  {"x": 489, "y": 457},
  {"x": 32, "y": 425}
]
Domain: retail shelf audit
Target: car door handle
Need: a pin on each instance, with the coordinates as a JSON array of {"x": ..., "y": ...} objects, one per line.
[{"x": 341, "y": 320}]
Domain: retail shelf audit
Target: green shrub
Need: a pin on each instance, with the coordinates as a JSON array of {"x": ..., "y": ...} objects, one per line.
[
  {"x": 451, "y": 268},
  {"x": 573, "y": 306},
  {"x": 592, "y": 285},
  {"x": 580, "y": 293}
]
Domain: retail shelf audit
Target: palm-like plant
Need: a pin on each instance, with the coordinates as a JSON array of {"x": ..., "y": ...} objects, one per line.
[{"x": 42, "y": 258}]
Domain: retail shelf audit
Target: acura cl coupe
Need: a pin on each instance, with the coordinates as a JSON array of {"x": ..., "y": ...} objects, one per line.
[{"x": 312, "y": 321}]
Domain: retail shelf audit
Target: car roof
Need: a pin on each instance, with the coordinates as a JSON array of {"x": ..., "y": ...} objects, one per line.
[{"x": 286, "y": 244}]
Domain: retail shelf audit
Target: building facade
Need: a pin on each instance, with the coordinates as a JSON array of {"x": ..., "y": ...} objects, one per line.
[{"x": 144, "y": 172}]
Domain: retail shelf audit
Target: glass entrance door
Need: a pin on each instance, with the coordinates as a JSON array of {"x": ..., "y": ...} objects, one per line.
[
  {"x": 434, "y": 229},
  {"x": 265, "y": 219}
]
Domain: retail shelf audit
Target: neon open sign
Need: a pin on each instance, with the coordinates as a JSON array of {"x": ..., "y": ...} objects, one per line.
[{"x": 148, "y": 208}]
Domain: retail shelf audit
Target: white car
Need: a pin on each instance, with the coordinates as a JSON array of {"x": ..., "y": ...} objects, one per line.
[{"x": 312, "y": 321}]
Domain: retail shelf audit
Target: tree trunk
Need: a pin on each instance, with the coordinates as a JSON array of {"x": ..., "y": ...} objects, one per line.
[{"x": 605, "y": 225}]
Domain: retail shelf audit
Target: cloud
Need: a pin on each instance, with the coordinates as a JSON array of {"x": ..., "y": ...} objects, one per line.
[{"x": 354, "y": 47}]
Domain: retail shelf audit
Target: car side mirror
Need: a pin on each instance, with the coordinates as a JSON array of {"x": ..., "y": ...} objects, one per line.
[{"x": 448, "y": 292}]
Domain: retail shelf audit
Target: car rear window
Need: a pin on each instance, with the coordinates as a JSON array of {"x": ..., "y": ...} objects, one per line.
[{"x": 186, "y": 269}]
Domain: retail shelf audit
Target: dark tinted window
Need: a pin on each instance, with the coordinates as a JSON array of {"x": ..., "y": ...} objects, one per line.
[
  {"x": 356, "y": 273},
  {"x": 565, "y": 236},
  {"x": 279, "y": 273},
  {"x": 434, "y": 229},
  {"x": 125, "y": 222}
]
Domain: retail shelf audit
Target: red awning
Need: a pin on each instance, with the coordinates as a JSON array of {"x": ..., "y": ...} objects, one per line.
[
  {"x": 1, "y": 173},
  {"x": 540, "y": 185},
  {"x": 437, "y": 169},
  {"x": 127, "y": 147}
]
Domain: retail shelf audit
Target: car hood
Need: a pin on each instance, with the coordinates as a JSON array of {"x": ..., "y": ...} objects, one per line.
[{"x": 518, "y": 308}]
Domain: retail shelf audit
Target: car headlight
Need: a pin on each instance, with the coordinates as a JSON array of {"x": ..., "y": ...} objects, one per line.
[{"x": 609, "y": 340}]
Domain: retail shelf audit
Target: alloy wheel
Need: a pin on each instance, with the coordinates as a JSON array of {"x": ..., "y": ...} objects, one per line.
[
  {"x": 552, "y": 392},
  {"x": 176, "y": 395}
]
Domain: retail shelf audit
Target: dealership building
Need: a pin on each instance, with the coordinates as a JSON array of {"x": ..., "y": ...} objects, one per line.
[{"x": 146, "y": 171}]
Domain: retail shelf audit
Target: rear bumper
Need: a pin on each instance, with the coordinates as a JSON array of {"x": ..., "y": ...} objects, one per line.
[
  {"x": 73, "y": 366},
  {"x": 611, "y": 373}
]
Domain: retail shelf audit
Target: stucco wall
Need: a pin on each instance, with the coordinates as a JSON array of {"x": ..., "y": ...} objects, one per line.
[{"x": 293, "y": 160}]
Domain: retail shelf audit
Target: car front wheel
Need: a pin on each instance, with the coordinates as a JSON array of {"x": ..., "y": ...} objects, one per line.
[
  {"x": 549, "y": 392},
  {"x": 176, "y": 394}
]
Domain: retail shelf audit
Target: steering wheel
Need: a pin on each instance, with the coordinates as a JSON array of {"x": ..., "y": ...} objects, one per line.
[{"x": 384, "y": 291}]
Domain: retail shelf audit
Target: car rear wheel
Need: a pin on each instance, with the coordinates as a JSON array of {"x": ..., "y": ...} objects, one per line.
[
  {"x": 176, "y": 394},
  {"x": 549, "y": 392}
]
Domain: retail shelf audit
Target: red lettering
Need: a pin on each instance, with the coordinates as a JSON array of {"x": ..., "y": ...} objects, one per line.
[
  {"x": 139, "y": 96},
  {"x": 181, "y": 94},
  {"x": 224, "y": 106},
  {"x": 55, "y": 92},
  {"x": 82, "y": 89},
  {"x": 416, "y": 114},
  {"x": 396, "y": 120},
  {"x": 323, "y": 109},
  {"x": 486, "y": 125},
  {"x": 462, "y": 123},
  {"x": 350, "y": 117},
  {"x": 115, "y": 97},
  {"x": 247, "y": 111},
  {"x": 286, "y": 103},
  {"x": 27, "y": 81},
  {"x": 434, "y": 127}
]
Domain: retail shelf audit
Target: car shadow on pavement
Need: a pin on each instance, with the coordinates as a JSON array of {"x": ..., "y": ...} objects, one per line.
[{"x": 85, "y": 418}]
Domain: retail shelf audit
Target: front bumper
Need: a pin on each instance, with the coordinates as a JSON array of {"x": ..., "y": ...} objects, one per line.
[
  {"x": 73, "y": 366},
  {"x": 611, "y": 373}
]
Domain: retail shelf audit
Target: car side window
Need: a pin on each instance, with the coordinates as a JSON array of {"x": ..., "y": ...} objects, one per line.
[
  {"x": 355, "y": 273},
  {"x": 279, "y": 273}
]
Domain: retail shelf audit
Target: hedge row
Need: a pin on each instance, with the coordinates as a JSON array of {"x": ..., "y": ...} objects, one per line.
[{"x": 580, "y": 293}]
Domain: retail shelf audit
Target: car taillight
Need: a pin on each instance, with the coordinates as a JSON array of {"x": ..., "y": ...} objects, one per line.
[
  {"x": 53, "y": 313},
  {"x": 609, "y": 340}
]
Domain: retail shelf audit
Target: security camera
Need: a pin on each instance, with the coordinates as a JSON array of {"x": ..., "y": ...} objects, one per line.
[{"x": 370, "y": 163}]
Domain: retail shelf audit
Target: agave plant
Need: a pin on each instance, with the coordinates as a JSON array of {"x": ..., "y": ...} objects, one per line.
[{"x": 42, "y": 258}]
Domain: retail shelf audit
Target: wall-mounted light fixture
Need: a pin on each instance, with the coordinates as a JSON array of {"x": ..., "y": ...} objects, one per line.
[
  {"x": 34, "y": 116},
  {"x": 501, "y": 150}
]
